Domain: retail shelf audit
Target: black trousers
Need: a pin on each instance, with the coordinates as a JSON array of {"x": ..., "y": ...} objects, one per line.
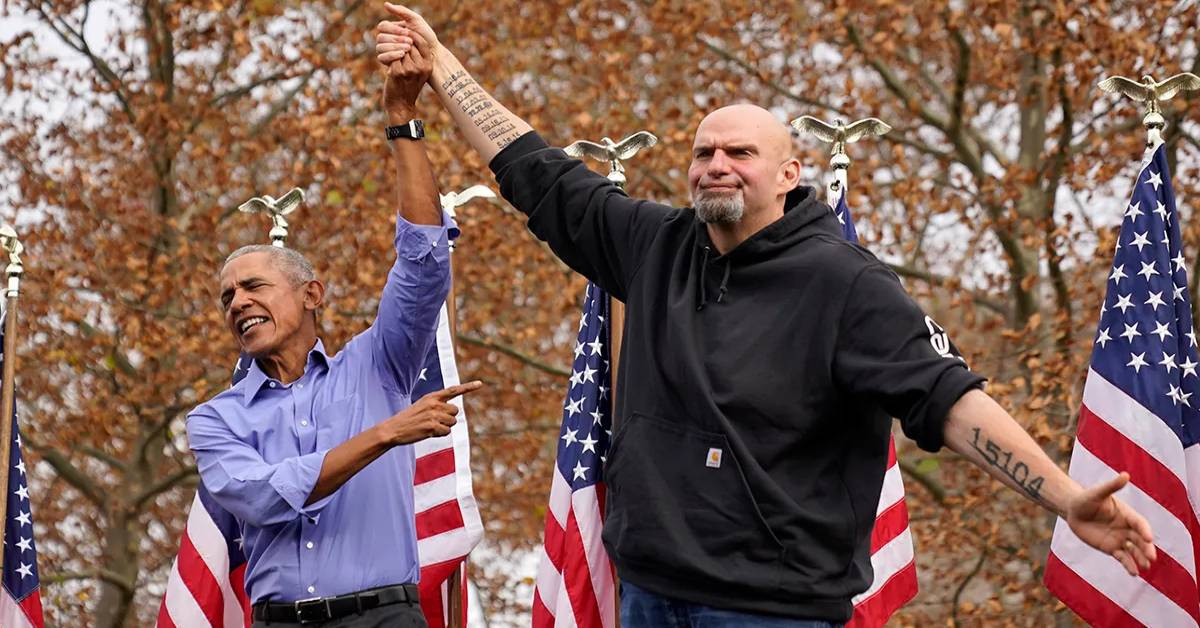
[{"x": 390, "y": 616}]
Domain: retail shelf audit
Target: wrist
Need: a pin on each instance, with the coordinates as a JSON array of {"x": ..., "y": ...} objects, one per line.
[{"x": 401, "y": 114}]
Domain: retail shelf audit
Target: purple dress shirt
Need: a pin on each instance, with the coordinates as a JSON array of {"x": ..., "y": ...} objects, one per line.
[{"x": 260, "y": 445}]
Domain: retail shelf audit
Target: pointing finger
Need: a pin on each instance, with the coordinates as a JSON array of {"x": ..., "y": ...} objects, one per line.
[{"x": 446, "y": 394}]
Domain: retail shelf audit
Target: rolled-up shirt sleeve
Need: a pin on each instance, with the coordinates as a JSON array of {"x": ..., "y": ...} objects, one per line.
[
  {"x": 253, "y": 490},
  {"x": 416, "y": 288}
]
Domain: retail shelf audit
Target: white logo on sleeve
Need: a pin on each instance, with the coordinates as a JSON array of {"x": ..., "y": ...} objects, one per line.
[
  {"x": 939, "y": 339},
  {"x": 714, "y": 458}
]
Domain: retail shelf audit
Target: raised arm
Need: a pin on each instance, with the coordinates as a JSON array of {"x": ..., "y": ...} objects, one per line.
[
  {"x": 587, "y": 220},
  {"x": 487, "y": 125},
  {"x": 416, "y": 187},
  {"x": 419, "y": 280}
]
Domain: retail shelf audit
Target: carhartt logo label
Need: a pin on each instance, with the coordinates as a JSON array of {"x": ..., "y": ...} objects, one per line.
[{"x": 714, "y": 458}]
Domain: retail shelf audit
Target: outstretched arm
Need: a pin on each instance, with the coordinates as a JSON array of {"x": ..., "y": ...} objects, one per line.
[
  {"x": 981, "y": 430},
  {"x": 487, "y": 125}
]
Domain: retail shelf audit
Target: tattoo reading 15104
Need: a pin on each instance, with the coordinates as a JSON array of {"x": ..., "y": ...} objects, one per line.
[{"x": 1018, "y": 473}]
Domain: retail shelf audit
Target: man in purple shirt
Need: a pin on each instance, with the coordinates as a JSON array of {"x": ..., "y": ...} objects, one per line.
[{"x": 310, "y": 451}]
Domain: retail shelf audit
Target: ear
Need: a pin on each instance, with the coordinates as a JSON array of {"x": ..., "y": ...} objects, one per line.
[
  {"x": 314, "y": 295},
  {"x": 789, "y": 174}
]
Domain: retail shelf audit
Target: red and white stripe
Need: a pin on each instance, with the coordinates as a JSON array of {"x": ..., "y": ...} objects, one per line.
[
  {"x": 892, "y": 556},
  {"x": 14, "y": 614},
  {"x": 201, "y": 592},
  {"x": 1116, "y": 433},
  {"x": 575, "y": 583},
  {"x": 447, "y": 521}
]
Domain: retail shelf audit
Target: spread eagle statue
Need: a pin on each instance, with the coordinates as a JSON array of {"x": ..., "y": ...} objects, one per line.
[
  {"x": 1149, "y": 91},
  {"x": 277, "y": 209},
  {"x": 839, "y": 133},
  {"x": 450, "y": 200},
  {"x": 612, "y": 152}
]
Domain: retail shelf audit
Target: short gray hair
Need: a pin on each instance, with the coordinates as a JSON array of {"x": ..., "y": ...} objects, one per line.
[{"x": 295, "y": 266}]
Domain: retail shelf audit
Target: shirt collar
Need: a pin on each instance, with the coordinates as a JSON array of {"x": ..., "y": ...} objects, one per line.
[{"x": 256, "y": 378}]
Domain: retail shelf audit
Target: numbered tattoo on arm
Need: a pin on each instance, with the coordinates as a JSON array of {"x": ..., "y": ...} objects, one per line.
[
  {"x": 1016, "y": 471},
  {"x": 481, "y": 108}
]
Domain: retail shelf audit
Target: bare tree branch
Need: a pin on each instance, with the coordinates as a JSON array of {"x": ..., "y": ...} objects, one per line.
[
  {"x": 70, "y": 473},
  {"x": 513, "y": 353},
  {"x": 105, "y": 575},
  {"x": 939, "y": 280},
  {"x": 168, "y": 483}
]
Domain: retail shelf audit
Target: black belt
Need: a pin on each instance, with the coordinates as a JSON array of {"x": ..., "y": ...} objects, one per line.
[{"x": 319, "y": 609}]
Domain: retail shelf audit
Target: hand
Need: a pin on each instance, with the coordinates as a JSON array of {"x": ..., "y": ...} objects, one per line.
[
  {"x": 415, "y": 23},
  {"x": 406, "y": 56},
  {"x": 1109, "y": 525},
  {"x": 431, "y": 416}
]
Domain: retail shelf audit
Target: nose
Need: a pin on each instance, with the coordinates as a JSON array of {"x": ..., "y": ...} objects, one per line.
[
  {"x": 239, "y": 302},
  {"x": 718, "y": 163}
]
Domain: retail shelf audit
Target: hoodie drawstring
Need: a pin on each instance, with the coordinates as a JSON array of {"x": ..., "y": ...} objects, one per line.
[
  {"x": 724, "y": 281},
  {"x": 703, "y": 271}
]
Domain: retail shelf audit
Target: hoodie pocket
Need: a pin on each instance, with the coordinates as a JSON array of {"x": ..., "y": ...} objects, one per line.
[{"x": 680, "y": 506}]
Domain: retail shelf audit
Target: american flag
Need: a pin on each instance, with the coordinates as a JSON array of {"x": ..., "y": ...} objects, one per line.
[
  {"x": 20, "y": 601},
  {"x": 206, "y": 582},
  {"x": 1139, "y": 414},
  {"x": 575, "y": 584},
  {"x": 892, "y": 557}
]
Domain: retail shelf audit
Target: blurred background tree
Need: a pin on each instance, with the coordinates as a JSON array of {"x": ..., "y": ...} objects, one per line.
[{"x": 131, "y": 131}]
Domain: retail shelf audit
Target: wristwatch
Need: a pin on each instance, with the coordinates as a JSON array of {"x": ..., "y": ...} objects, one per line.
[{"x": 413, "y": 130}]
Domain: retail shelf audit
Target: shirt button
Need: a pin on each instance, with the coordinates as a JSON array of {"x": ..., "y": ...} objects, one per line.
[
  {"x": 299, "y": 385},
  {"x": 272, "y": 384},
  {"x": 309, "y": 545},
  {"x": 304, "y": 424},
  {"x": 312, "y": 589}
]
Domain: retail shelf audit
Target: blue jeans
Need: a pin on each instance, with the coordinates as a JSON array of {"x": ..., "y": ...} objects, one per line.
[{"x": 643, "y": 609}]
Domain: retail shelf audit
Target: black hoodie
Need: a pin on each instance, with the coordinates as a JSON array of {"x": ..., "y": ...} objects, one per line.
[{"x": 754, "y": 394}]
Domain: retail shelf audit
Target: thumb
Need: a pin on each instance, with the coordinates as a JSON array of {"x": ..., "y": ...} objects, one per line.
[
  {"x": 1094, "y": 496},
  {"x": 400, "y": 11}
]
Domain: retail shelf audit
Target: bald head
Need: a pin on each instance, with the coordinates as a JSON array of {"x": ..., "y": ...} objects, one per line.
[
  {"x": 753, "y": 122},
  {"x": 742, "y": 164}
]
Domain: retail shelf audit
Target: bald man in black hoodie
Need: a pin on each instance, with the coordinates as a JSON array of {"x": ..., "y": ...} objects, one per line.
[{"x": 754, "y": 330}]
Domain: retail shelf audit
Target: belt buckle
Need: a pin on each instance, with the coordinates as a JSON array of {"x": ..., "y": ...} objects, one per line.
[{"x": 304, "y": 607}]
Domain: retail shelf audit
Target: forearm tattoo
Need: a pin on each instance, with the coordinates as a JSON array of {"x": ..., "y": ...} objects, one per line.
[
  {"x": 481, "y": 108},
  {"x": 1017, "y": 471}
]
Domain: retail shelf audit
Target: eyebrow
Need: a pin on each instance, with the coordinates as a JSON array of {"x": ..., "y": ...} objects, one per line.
[
  {"x": 750, "y": 146},
  {"x": 243, "y": 283}
]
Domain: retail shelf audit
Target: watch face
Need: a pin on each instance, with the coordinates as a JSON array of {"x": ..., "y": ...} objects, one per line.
[{"x": 414, "y": 129}]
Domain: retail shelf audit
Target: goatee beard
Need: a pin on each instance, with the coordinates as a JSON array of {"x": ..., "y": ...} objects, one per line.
[{"x": 720, "y": 209}]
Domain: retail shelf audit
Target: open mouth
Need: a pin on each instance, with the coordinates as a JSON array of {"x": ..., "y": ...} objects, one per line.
[{"x": 251, "y": 323}]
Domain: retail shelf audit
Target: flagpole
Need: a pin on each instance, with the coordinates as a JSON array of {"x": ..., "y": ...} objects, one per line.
[
  {"x": 455, "y": 586},
  {"x": 14, "y": 270}
]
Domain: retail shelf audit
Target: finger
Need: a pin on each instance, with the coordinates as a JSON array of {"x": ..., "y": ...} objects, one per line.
[
  {"x": 446, "y": 394},
  {"x": 388, "y": 38},
  {"x": 1126, "y": 561},
  {"x": 447, "y": 419},
  {"x": 449, "y": 408},
  {"x": 396, "y": 47},
  {"x": 420, "y": 43},
  {"x": 1096, "y": 495},
  {"x": 440, "y": 430},
  {"x": 392, "y": 28},
  {"x": 1140, "y": 526},
  {"x": 401, "y": 11},
  {"x": 388, "y": 58}
]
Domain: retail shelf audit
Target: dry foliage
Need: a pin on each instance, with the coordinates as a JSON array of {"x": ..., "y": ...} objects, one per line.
[{"x": 132, "y": 129}]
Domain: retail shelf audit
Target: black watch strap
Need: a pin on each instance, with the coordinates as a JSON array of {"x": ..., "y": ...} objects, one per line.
[{"x": 413, "y": 130}]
